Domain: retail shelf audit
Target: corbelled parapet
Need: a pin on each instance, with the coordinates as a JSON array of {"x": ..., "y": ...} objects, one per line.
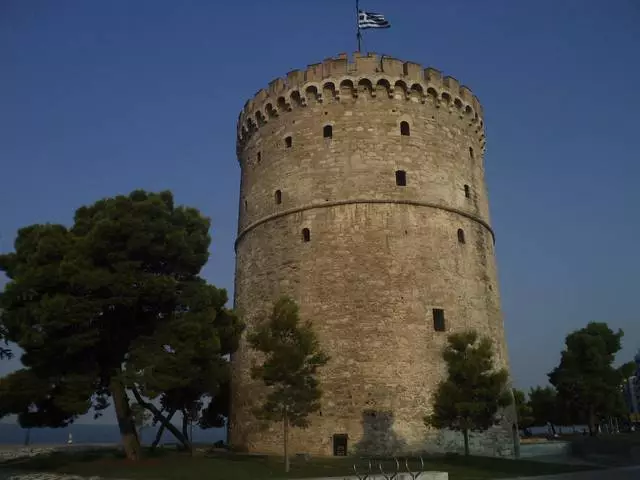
[{"x": 372, "y": 74}]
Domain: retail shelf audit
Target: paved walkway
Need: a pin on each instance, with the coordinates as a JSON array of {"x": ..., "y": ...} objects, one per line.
[{"x": 626, "y": 473}]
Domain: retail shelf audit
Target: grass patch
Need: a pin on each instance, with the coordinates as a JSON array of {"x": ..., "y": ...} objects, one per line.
[{"x": 169, "y": 465}]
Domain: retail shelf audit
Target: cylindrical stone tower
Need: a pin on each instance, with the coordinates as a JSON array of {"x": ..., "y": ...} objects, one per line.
[{"x": 363, "y": 197}]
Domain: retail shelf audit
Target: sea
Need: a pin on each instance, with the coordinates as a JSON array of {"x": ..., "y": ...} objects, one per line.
[{"x": 13, "y": 434}]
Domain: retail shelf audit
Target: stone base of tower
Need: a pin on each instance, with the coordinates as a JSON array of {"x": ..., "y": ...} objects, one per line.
[
  {"x": 496, "y": 442},
  {"x": 376, "y": 439}
]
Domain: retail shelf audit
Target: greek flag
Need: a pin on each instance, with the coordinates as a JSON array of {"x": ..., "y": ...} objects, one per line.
[{"x": 371, "y": 20}]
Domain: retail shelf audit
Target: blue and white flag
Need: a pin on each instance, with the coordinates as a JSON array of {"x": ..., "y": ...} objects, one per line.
[{"x": 371, "y": 20}]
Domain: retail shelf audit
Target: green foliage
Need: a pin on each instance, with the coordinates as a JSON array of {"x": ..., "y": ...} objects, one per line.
[
  {"x": 543, "y": 402},
  {"x": 292, "y": 357},
  {"x": 5, "y": 353},
  {"x": 474, "y": 391},
  {"x": 114, "y": 302},
  {"x": 585, "y": 379},
  {"x": 213, "y": 415},
  {"x": 627, "y": 370},
  {"x": 523, "y": 409}
]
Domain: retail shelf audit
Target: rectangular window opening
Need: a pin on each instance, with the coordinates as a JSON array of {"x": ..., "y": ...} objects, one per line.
[
  {"x": 438, "y": 320},
  {"x": 401, "y": 178}
]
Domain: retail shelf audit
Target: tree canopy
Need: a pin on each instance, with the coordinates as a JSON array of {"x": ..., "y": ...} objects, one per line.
[
  {"x": 5, "y": 353},
  {"x": 114, "y": 302},
  {"x": 585, "y": 379},
  {"x": 292, "y": 357},
  {"x": 523, "y": 409},
  {"x": 543, "y": 402},
  {"x": 474, "y": 391}
]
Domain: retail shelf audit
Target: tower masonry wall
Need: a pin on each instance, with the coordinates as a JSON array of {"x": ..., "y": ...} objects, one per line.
[{"x": 363, "y": 197}]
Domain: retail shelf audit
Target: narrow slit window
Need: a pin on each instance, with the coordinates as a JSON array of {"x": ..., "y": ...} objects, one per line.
[
  {"x": 405, "y": 130},
  {"x": 278, "y": 196},
  {"x": 259, "y": 157},
  {"x": 288, "y": 142},
  {"x": 461, "y": 236},
  {"x": 401, "y": 178},
  {"x": 438, "y": 320},
  {"x": 327, "y": 131},
  {"x": 245, "y": 206},
  {"x": 306, "y": 235},
  {"x": 467, "y": 191},
  {"x": 471, "y": 152}
]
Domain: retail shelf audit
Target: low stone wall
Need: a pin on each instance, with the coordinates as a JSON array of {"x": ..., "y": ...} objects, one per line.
[
  {"x": 8, "y": 453},
  {"x": 11, "y": 453}
]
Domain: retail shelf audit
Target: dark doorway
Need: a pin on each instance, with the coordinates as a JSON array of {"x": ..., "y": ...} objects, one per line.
[{"x": 340, "y": 445}]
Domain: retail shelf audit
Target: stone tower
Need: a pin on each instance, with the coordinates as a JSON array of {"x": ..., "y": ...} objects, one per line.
[{"x": 363, "y": 197}]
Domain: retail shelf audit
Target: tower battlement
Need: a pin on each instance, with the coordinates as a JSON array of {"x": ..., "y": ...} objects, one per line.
[{"x": 373, "y": 75}]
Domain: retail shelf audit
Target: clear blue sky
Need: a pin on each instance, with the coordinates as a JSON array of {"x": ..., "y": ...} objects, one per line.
[{"x": 101, "y": 97}]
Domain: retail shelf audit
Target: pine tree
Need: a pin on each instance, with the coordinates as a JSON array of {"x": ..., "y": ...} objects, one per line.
[
  {"x": 474, "y": 391},
  {"x": 523, "y": 409},
  {"x": 292, "y": 357},
  {"x": 586, "y": 380},
  {"x": 112, "y": 304}
]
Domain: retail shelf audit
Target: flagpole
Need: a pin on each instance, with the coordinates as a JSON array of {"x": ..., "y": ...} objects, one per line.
[{"x": 358, "y": 34}]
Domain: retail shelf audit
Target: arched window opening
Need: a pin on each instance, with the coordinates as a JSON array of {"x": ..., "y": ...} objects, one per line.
[
  {"x": 288, "y": 142},
  {"x": 278, "y": 196},
  {"x": 327, "y": 131},
  {"x": 405, "y": 130},
  {"x": 401, "y": 178},
  {"x": 471, "y": 152},
  {"x": 306, "y": 235},
  {"x": 438, "y": 320},
  {"x": 461, "y": 236},
  {"x": 467, "y": 191}
]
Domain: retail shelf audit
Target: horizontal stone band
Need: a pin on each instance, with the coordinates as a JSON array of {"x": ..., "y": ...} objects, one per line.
[{"x": 336, "y": 203}]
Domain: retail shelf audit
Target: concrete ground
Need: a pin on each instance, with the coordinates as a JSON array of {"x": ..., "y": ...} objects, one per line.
[{"x": 626, "y": 473}]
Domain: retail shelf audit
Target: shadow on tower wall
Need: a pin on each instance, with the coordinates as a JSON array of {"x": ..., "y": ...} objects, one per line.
[{"x": 378, "y": 437}]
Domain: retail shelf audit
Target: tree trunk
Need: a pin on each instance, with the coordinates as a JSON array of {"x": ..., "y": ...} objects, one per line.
[
  {"x": 516, "y": 440},
  {"x": 285, "y": 423},
  {"x": 465, "y": 433},
  {"x": 160, "y": 431},
  {"x": 592, "y": 422},
  {"x": 130, "y": 440},
  {"x": 157, "y": 414},
  {"x": 185, "y": 430}
]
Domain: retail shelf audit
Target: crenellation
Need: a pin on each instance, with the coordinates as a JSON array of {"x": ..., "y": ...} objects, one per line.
[
  {"x": 277, "y": 86},
  {"x": 452, "y": 85},
  {"x": 413, "y": 71},
  {"x": 367, "y": 73},
  {"x": 334, "y": 66},
  {"x": 313, "y": 73},
  {"x": 296, "y": 77},
  {"x": 367, "y": 64},
  {"x": 260, "y": 96},
  {"x": 433, "y": 77},
  {"x": 392, "y": 66},
  {"x": 466, "y": 95}
]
